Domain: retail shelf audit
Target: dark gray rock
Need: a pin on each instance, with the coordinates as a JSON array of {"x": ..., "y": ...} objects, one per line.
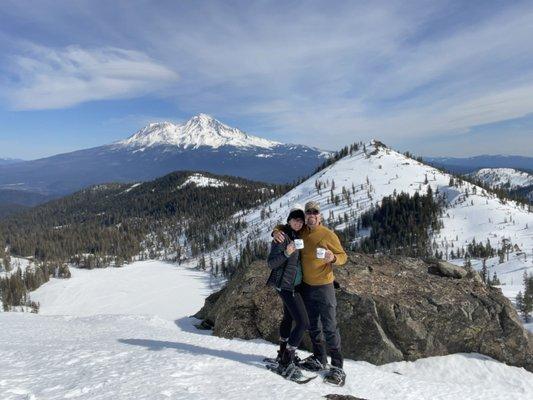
[{"x": 389, "y": 309}]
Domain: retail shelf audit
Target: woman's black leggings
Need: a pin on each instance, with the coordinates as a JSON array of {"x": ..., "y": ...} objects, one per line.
[{"x": 293, "y": 310}]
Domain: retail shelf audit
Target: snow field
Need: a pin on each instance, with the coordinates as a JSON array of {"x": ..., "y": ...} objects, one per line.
[
  {"x": 144, "y": 287},
  {"x": 91, "y": 354}
]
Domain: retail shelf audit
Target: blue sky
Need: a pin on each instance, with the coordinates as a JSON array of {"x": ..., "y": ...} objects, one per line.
[{"x": 435, "y": 78}]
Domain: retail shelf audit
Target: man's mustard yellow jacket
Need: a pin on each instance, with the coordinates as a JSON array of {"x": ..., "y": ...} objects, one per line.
[{"x": 316, "y": 271}]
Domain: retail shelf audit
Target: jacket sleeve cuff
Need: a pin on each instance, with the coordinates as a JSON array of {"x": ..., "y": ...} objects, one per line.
[{"x": 285, "y": 253}]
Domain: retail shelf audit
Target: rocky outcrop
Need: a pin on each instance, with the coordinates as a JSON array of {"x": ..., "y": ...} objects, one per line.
[{"x": 389, "y": 309}]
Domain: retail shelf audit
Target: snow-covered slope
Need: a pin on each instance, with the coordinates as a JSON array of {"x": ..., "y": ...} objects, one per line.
[
  {"x": 16, "y": 263},
  {"x": 201, "y": 180},
  {"x": 508, "y": 178},
  {"x": 376, "y": 171},
  {"x": 79, "y": 350},
  {"x": 200, "y": 130}
]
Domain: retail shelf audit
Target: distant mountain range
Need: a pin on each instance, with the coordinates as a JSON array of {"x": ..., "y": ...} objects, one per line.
[
  {"x": 7, "y": 161},
  {"x": 201, "y": 144},
  {"x": 471, "y": 164}
]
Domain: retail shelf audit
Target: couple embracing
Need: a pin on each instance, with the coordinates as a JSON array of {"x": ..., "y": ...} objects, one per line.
[{"x": 302, "y": 258}]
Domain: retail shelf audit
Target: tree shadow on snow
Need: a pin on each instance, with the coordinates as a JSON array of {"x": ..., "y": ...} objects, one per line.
[{"x": 158, "y": 345}]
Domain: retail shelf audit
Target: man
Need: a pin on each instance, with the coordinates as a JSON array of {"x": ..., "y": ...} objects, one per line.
[{"x": 319, "y": 293}]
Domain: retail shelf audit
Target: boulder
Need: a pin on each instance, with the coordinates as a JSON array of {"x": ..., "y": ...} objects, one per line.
[
  {"x": 444, "y": 268},
  {"x": 389, "y": 309}
]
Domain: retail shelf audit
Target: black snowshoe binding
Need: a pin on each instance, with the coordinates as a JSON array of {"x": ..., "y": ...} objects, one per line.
[
  {"x": 311, "y": 363},
  {"x": 335, "y": 376}
]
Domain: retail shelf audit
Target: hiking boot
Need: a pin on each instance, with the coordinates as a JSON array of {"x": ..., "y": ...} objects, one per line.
[
  {"x": 278, "y": 357},
  {"x": 282, "y": 347},
  {"x": 312, "y": 363},
  {"x": 335, "y": 376}
]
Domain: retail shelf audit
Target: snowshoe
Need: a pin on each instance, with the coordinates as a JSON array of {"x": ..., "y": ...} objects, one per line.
[{"x": 270, "y": 360}]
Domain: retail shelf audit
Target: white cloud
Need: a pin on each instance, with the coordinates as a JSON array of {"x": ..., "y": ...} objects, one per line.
[{"x": 49, "y": 78}]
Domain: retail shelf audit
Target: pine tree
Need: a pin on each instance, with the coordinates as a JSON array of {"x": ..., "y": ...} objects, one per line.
[
  {"x": 519, "y": 301},
  {"x": 495, "y": 280},
  {"x": 485, "y": 272}
]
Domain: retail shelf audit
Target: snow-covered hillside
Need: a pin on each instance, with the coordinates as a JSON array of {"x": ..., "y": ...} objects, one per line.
[
  {"x": 363, "y": 178},
  {"x": 508, "y": 178},
  {"x": 15, "y": 264},
  {"x": 201, "y": 180},
  {"x": 149, "y": 349}
]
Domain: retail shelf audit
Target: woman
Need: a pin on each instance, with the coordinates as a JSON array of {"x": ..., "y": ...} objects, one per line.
[{"x": 286, "y": 277}]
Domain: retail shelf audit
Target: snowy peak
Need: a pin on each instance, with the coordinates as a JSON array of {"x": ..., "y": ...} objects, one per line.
[
  {"x": 200, "y": 130},
  {"x": 509, "y": 178}
]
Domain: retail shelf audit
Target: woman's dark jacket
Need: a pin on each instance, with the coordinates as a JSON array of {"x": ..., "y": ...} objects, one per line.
[{"x": 284, "y": 269}]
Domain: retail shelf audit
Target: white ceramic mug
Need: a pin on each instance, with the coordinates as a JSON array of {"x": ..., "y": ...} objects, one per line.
[
  {"x": 299, "y": 243},
  {"x": 320, "y": 252}
]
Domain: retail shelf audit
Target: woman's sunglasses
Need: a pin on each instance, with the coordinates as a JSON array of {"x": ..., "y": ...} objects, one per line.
[{"x": 312, "y": 212}]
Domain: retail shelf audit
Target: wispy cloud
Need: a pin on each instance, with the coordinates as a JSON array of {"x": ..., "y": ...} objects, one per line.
[
  {"x": 48, "y": 78},
  {"x": 353, "y": 72}
]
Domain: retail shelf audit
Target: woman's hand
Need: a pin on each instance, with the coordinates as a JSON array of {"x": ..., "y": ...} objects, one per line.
[{"x": 291, "y": 248}]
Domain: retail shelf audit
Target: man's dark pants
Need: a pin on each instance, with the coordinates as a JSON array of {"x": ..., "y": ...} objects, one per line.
[{"x": 321, "y": 306}]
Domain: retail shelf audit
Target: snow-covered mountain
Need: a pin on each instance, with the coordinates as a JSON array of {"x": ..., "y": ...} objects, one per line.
[
  {"x": 507, "y": 178},
  {"x": 515, "y": 182},
  {"x": 375, "y": 171},
  {"x": 200, "y": 130},
  {"x": 200, "y": 144}
]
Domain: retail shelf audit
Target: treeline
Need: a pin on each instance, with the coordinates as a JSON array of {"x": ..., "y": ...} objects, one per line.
[
  {"x": 402, "y": 224},
  {"x": 524, "y": 301},
  {"x": 228, "y": 264},
  {"x": 525, "y": 192},
  {"x": 14, "y": 287}
]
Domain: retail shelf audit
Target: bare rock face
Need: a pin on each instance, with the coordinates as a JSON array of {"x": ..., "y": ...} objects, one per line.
[{"x": 389, "y": 309}]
